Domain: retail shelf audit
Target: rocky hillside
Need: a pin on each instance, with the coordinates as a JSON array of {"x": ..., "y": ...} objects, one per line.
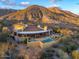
[
  {"x": 65, "y": 12},
  {"x": 39, "y": 14}
]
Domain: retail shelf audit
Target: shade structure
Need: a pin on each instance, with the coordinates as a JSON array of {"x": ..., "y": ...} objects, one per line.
[{"x": 32, "y": 32}]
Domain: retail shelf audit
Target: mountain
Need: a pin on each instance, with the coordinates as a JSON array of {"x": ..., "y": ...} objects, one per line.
[
  {"x": 6, "y": 11},
  {"x": 58, "y": 10},
  {"x": 66, "y": 15},
  {"x": 40, "y": 14}
]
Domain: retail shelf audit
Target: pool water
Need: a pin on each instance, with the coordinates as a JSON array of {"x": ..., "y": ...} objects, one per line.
[{"x": 47, "y": 39}]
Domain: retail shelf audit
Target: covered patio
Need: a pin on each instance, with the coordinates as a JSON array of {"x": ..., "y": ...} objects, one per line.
[{"x": 33, "y": 34}]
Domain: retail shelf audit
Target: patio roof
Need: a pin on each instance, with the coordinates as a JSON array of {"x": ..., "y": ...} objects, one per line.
[{"x": 32, "y": 32}]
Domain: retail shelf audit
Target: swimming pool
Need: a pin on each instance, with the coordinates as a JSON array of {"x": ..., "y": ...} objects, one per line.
[{"x": 47, "y": 39}]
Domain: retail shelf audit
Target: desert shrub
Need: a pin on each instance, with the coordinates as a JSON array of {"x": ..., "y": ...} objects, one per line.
[
  {"x": 75, "y": 36},
  {"x": 69, "y": 44},
  {"x": 56, "y": 30},
  {"x": 53, "y": 53},
  {"x": 0, "y": 28},
  {"x": 4, "y": 36},
  {"x": 75, "y": 54},
  {"x": 69, "y": 47},
  {"x": 25, "y": 41},
  {"x": 6, "y": 23}
]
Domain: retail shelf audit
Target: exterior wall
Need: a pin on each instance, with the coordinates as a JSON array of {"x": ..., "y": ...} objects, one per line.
[{"x": 34, "y": 35}]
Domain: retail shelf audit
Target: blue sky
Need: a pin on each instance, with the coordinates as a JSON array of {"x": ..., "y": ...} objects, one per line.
[{"x": 71, "y": 5}]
